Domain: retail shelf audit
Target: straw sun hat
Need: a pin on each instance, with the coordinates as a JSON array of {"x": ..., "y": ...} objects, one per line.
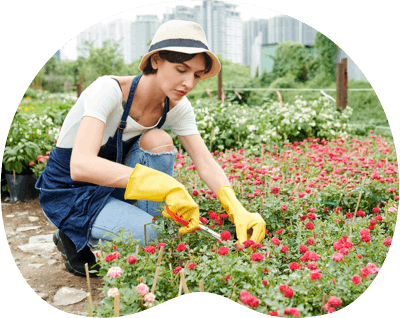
[{"x": 181, "y": 36}]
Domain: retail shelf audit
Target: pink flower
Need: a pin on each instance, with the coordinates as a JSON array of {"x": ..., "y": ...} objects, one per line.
[
  {"x": 160, "y": 244},
  {"x": 249, "y": 299},
  {"x": 191, "y": 266},
  {"x": 114, "y": 272},
  {"x": 313, "y": 256},
  {"x": 365, "y": 272},
  {"x": 149, "y": 297},
  {"x": 337, "y": 257},
  {"x": 366, "y": 238},
  {"x": 31, "y": 163},
  {"x": 387, "y": 241},
  {"x": 132, "y": 260},
  {"x": 181, "y": 247},
  {"x": 142, "y": 289},
  {"x": 334, "y": 301},
  {"x": 225, "y": 236},
  {"x": 284, "y": 207},
  {"x": 356, "y": 279},
  {"x": 273, "y": 313},
  {"x": 223, "y": 250},
  {"x": 364, "y": 232},
  {"x": 257, "y": 257}
]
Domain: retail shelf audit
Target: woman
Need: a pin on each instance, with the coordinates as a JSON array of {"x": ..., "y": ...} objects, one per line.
[{"x": 112, "y": 149}]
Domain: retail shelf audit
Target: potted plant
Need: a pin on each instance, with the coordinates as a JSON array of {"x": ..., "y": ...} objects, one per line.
[{"x": 18, "y": 153}]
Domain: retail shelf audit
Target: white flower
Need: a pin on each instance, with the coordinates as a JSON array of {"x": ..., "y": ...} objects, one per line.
[{"x": 112, "y": 292}]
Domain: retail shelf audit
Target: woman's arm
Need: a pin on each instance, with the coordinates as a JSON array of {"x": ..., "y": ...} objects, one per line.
[
  {"x": 87, "y": 166},
  {"x": 209, "y": 170}
]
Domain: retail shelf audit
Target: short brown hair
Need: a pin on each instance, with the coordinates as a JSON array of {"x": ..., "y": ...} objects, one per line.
[{"x": 176, "y": 57}]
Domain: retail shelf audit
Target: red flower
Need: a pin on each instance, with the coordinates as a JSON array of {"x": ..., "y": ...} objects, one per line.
[
  {"x": 293, "y": 266},
  {"x": 310, "y": 241},
  {"x": 109, "y": 258},
  {"x": 365, "y": 272},
  {"x": 225, "y": 236},
  {"x": 303, "y": 248},
  {"x": 203, "y": 220},
  {"x": 288, "y": 293},
  {"x": 181, "y": 247},
  {"x": 282, "y": 288},
  {"x": 311, "y": 216},
  {"x": 279, "y": 231},
  {"x": 334, "y": 301},
  {"x": 248, "y": 243},
  {"x": 284, "y": 207},
  {"x": 191, "y": 266},
  {"x": 213, "y": 215},
  {"x": 150, "y": 249},
  {"x": 312, "y": 266},
  {"x": 359, "y": 256},
  {"x": 177, "y": 269},
  {"x": 356, "y": 279},
  {"x": 349, "y": 215},
  {"x": 291, "y": 311},
  {"x": 223, "y": 250},
  {"x": 257, "y": 257},
  {"x": 285, "y": 249},
  {"x": 276, "y": 241},
  {"x": 309, "y": 226},
  {"x": 227, "y": 278},
  {"x": 303, "y": 217},
  {"x": 264, "y": 282},
  {"x": 315, "y": 274},
  {"x": 132, "y": 260},
  {"x": 273, "y": 314},
  {"x": 375, "y": 210},
  {"x": 160, "y": 244},
  {"x": 360, "y": 213},
  {"x": 373, "y": 222},
  {"x": 224, "y": 216},
  {"x": 378, "y": 218},
  {"x": 387, "y": 241},
  {"x": 301, "y": 194},
  {"x": 275, "y": 190},
  {"x": 366, "y": 238},
  {"x": 195, "y": 193}
]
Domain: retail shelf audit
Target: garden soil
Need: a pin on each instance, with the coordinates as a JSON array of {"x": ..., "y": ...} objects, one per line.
[{"x": 47, "y": 279}]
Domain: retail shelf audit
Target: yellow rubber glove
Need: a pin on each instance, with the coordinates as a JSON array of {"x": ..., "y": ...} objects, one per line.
[
  {"x": 149, "y": 184},
  {"x": 242, "y": 219}
]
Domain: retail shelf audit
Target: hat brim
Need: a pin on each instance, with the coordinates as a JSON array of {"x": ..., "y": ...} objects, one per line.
[{"x": 215, "y": 68}]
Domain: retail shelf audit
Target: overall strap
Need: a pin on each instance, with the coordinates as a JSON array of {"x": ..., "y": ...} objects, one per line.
[
  {"x": 166, "y": 108},
  {"x": 122, "y": 123}
]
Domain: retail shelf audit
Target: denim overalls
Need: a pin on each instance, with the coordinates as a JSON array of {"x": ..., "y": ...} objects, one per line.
[{"x": 72, "y": 206}]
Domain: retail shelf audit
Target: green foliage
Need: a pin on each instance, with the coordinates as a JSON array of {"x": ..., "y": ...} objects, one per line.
[
  {"x": 326, "y": 52},
  {"x": 292, "y": 58}
]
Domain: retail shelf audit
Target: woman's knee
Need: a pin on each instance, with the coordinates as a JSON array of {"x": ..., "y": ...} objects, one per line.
[{"x": 156, "y": 140}]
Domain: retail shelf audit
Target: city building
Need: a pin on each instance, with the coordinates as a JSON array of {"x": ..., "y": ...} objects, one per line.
[{"x": 142, "y": 32}]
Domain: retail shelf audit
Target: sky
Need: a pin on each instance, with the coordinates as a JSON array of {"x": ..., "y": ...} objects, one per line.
[{"x": 247, "y": 12}]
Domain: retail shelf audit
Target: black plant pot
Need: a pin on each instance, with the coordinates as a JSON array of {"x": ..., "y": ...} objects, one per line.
[{"x": 23, "y": 187}]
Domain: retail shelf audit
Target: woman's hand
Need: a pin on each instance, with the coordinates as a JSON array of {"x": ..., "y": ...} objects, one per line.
[
  {"x": 149, "y": 184},
  {"x": 248, "y": 225}
]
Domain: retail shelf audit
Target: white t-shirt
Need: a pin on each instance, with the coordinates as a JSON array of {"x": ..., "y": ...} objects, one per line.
[{"x": 103, "y": 100}]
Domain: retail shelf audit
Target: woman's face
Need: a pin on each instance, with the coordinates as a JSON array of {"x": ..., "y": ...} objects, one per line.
[{"x": 178, "y": 79}]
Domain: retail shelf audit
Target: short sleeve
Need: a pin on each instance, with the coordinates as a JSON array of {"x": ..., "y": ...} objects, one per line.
[
  {"x": 101, "y": 98},
  {"x": 181, "y": 120}
]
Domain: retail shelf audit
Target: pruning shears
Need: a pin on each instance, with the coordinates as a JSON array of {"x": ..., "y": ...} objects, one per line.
[{"x": 183, "y": 222}]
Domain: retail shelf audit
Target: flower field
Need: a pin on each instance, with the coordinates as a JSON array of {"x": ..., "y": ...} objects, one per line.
[{"x": 330, "y": 207}]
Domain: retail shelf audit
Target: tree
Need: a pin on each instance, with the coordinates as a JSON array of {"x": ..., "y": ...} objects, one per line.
[
  {"x": 291, "y": 58},
  {"x": 326, "y": 52}
]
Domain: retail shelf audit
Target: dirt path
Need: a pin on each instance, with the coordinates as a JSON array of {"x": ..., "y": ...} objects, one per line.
[{"x": 47, "y": 279}]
